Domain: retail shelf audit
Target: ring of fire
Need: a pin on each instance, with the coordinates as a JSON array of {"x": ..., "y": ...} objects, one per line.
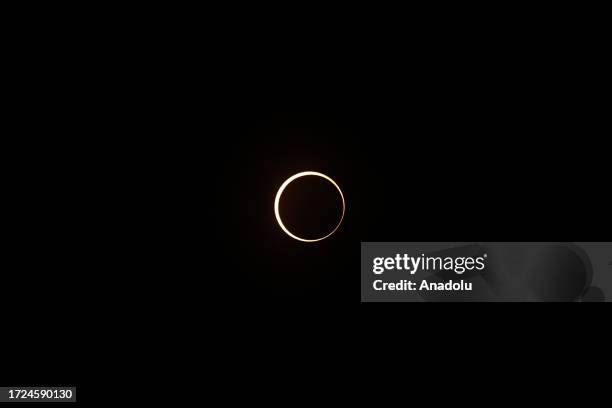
[{"x": 280, "y": 193}]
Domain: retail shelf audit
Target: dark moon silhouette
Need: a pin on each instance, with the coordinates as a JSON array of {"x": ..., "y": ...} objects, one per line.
[{"x": 310, "y": 207}]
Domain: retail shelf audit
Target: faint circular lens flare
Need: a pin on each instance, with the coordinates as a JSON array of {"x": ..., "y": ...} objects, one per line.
[{"x": 280, "y": 193}]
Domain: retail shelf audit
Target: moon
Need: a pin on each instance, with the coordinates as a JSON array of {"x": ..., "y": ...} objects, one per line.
[{"x": 280, "y": 193}]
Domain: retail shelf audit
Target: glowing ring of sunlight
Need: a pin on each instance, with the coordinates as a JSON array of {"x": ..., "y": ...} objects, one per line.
[{"x": 280, "y": 193}]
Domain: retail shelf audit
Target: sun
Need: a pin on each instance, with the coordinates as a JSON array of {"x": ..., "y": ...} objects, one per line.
[{"x": 280, "y": 193}]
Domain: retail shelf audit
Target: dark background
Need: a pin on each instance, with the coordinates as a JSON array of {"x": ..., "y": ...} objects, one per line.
[{"x": 142, "y": 182}]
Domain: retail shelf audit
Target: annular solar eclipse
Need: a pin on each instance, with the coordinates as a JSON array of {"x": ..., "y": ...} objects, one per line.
[{"x": 280, "y": 193}]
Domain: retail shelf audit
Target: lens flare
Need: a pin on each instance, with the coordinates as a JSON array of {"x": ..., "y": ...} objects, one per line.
[{"x": 280, "y": 193}]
